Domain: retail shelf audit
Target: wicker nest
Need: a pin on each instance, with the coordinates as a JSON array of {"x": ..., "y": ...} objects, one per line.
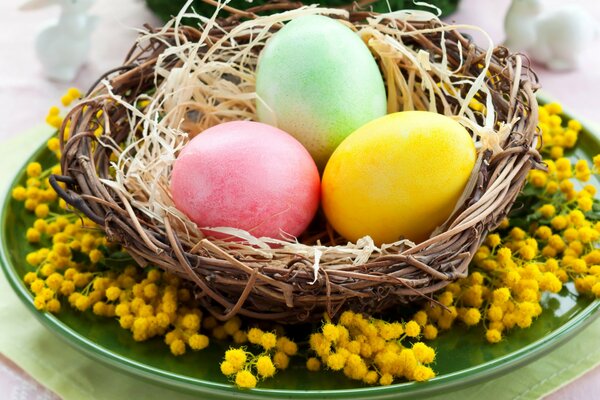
[{"x": 121, "y": 140}]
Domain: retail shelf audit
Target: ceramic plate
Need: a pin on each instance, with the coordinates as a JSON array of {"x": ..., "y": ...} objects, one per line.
[{"x": 464, "y": 357}]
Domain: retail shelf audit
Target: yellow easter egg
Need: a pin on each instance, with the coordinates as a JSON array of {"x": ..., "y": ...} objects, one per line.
[{"x": 398, "y": 176}]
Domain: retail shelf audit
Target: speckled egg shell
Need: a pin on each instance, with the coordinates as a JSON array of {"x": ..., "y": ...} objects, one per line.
[{"x": 318, "y": 81}]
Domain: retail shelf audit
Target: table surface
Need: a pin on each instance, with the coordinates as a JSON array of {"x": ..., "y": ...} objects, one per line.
[{"x": 25, "y": 96}]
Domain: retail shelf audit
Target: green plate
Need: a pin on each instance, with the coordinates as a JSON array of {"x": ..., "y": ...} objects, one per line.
[{"x": 464, "y": 357}]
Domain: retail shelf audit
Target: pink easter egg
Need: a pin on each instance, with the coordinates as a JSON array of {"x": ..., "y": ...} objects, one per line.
[{"x": 246, "y": 175}]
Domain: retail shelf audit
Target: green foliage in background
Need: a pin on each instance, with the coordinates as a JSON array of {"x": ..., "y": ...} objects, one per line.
[{"x": 164, "y": 9}]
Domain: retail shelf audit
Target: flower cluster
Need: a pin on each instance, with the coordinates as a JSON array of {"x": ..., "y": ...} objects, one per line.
[
  {"x": 533, "y": 252},
  {"x": 70, "y": 264},
  {"x": 556, "y": 137},
  {"x": 371, "y": 350},
  {"x": 53, "y": 118},
  {"x": 245, "y": 368}
]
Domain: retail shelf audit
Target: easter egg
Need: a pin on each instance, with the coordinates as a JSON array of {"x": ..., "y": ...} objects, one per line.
[
  {"x": 317, "y": 80},
  {"x": 399, "y": 176},
  {"x": 249, "y": 176}
]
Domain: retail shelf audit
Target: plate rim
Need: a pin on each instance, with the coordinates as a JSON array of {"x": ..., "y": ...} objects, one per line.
[{"x": 176, "y": 381}]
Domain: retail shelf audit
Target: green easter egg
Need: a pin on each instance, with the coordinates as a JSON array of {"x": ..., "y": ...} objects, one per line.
[{"x": 317, "y": 80}]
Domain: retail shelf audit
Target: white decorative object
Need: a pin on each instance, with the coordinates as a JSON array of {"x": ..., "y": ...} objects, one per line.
[
  {"x": 552, "y": 37},
  {"x": 62, "y": 46}
]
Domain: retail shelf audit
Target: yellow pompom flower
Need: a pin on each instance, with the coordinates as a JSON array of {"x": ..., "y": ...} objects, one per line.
[
  {"x": 232, "y": 326},
  {"x": 41, "y": 210},
  {"x": 543, "y": 232},
  {"x": 53, "y": 306},
  {"x": 556, "y": 242},
  {"x": 585, "y": 203},
  {"x": 412, "y": 329},
  {"x": 353, "y": 347},
  {"x": 420, "y": 318},
  {"x": 527, "y": 252},
  {"x": 313, "y": 364},
  {"x": 53, "y": 144},
  {"x": 177, "y": 347},
  {"x": 281, "y": 360},
  {"x": 39, "y": 303},
  {"x": 73, "y": 92},
  {"x": 67, "y": 288},
  {"x": 423, "y": 353},
  {"x": 34, "y": 169},
  {"x": 576, "y": 217},
  {"x": 126, "y": 321},
  {"x": 83, "y": 303},
  {"x": 245, "y": 379},
  {"x": 574, "y": 125},
  {"x": 54, "y": 281},
  {"x": 430, "y": 332},
  {"x": 538, "y": 178},
  {"x": 287, "y": 346},
  {"x": 504, "y": 223},
  {"x": 386, "y": 379},
  {"x": 331, "y": 332},
  {"x": 240, "y": 337},
  {"x": 493, "y": 240},
  {"x": 588, "y": 235},
  {"x": 95, "y": 256},
  {"x": 570, "y": 234},
  {"x": 494, "y": 313},
  {"x": 550, "y": 282},
  {"x": 198, "y": 341},
  {"x": 37, "y": 286},
  {"x": 99, "y": 308},
  {"x": 227, "y": 368},
  {"x": 422, "y": 373},
  {"x": 347, "y": 318},
  {"x": 254, "y": 335},
  {"x": 29, "y": 277},
  {"x": 336, "y": 361},
  {"x": 33, "y": 235},
  {"x": 113, "y": 293},
  {"x": 265, "y": 367},
  {"x": 471, "y": 316},
  {"x": 473, "y": 296},
  {"x": 371, "y": 378},
  {"x": 563, "y": 164},
  {"x": 493, "y": 335},
  {"x": 559, "y": 222},
  {"x": 501, "y": 295},
  {"x": 19, "y": 193},
  {"x": 596, "y": 289},
  {"x": 191, "y": 322},
  {"x": 150, "y": 290},
  {"x": 236, "y": 357},
  {"x": 596, "y": 161},
  {"x": 446, "y": 298},
  {"x": 268, "y": 340}
]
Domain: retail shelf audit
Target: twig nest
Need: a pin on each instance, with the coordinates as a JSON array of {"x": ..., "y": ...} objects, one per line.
[{"x": 179, "y": 78}]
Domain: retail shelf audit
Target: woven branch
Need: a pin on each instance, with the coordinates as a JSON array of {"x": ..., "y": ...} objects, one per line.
[{"x": 287, "y": 282}]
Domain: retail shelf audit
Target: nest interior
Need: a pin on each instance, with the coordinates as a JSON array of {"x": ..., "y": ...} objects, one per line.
[{"x": 119, "y": 143}]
